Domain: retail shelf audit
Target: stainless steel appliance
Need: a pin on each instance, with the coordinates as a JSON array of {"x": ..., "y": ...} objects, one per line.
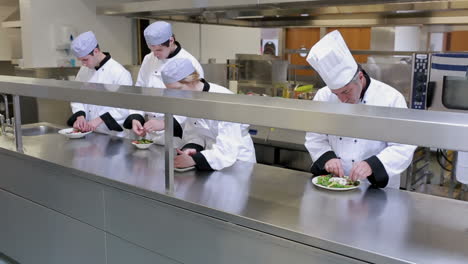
[
  {"x": 440, "y": 84},
  {"x": 436, "y": 82},
  {"x": 448, "y": 92},
  {"x": 259, "y": 74}
]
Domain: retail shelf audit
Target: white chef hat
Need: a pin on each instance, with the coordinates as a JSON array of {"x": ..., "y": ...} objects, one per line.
[
  {"x": 158, "y": 33},
  {"x": 176, "y": 70},
  {"x": 84, "y": 44},
  {"x": 331, "y": 58}
]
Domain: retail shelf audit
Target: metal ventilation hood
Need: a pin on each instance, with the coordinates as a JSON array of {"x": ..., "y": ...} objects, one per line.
[{"x": 295, "y": 13}]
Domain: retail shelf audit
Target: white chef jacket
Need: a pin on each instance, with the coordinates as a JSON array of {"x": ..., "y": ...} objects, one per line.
[
  {"x": 220, "y": 144},
  {"x": 150, "y": 76},
  {"x": 111, "y": 72},
  {"x": 394, "y": 157}
]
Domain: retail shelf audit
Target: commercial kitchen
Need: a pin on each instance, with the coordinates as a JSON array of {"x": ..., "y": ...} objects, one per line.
[{"x": 73, "y": 190}]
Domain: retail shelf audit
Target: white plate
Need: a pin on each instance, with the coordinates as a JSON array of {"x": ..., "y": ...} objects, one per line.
[
  {"x": 315, "y": 179},
  {"x": 67, "y": 132},
  {"x": 142, "y": 146},
  {"x": 184, "y": 169}
]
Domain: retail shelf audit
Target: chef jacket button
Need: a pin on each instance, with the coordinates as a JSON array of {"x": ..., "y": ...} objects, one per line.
[
  {"x": 355, "y": 141},
  {"x": 341, "y": 138},
  {"x": 339, "y": 157},
  {"x": 364, "y": 101},
  {"x": 352, "y": 160}
]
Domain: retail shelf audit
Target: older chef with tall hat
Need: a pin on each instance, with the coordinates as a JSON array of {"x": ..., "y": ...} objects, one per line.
[
  {"x": 164, "y": 48},
  {"x": 97, "y": 67},
  {"x": 380, "y": 162}
]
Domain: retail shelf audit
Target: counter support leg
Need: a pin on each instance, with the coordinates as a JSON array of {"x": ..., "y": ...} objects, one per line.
[
  {"x": 17, "y": 123},
  {"x": 169, "y": 152}
]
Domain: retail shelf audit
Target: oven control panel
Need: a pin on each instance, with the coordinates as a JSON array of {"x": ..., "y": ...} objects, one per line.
[{"x": 420, "y": 80}]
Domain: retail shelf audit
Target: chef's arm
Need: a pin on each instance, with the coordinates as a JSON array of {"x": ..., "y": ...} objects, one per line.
[
  {"x": 192, "y": 139},
  {"x": 78, "y": 109},
  {"x": 320, "y": 151},
  {"x": 159, "y": 125},
  {"x": 390, "y": 162},
  {"x": 112, "y": 116},
  {"x": 223, "y": 153},
  {"x": 134, "y": 115}
]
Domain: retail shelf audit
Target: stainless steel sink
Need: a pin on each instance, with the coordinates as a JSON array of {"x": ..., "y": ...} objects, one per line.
[{"x": 39, "y": 130}]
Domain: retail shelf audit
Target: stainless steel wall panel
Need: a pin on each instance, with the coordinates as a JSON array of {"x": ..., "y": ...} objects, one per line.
[
  {"x": 58, "y": 190},
  {"x": 120, "y": 251},
  {"x": 30, "y": 234},
  {"x": 192, "y": 238}
]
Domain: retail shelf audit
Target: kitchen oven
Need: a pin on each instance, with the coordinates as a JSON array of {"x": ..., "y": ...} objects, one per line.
[{"x": 440, "y": 83}]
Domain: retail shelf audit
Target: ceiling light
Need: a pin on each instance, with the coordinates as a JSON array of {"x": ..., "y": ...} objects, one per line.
[
  {"x": 407, "y": 11},
  {"x": 248, "y": 17}
]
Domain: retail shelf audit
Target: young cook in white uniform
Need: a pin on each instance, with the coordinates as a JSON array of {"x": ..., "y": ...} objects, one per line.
[
  {"x": 380, "y": 162},
  {"x": 97, "y": 67},
  {"x": 164, "y": 48},
  {"x": 207, "y": 144}
]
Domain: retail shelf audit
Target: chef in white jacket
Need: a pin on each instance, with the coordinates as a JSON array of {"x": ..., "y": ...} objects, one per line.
[
  {"x": 380, "y": 162},
  {"x": 207, "y": 144},
  {"x": 164, "y": 48},
  {"x": 97, "y": 67}
]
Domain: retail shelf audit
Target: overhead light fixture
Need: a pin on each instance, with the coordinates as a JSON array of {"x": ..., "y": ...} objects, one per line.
[
  {"x": 407, "y": 11},
  {"x": 249, "y": 17},
  {"x": 305, "y": 15}
]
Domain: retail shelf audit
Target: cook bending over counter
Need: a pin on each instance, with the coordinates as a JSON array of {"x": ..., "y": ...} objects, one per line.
[
  {"x": 97, "y": 67},
  {"x": 380, "y": 162},
  {"x": 164, "y": 48},
  {"x": 206, "y": 144}
]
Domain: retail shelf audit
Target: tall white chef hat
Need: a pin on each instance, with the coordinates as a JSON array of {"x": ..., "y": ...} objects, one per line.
[
  {"x": 84, "y": 44},
  {"x": 331, "y": 58},
  {"x": 176, "y": 70},
  {"x": 158, "y": 33}
]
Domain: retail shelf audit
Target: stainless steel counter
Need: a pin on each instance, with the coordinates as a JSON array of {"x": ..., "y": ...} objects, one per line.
[{"x": 379, "y": 226}]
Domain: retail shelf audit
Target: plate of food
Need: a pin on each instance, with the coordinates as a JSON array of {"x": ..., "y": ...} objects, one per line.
[
  {"x": 73, "y": 133},
  {"x": 335, "y": 183},
  {"x": 142, "y": 143}
]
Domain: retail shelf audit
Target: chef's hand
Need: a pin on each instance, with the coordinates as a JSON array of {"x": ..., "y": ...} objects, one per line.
[
  {"x": 81, "y": 124},
  {"x": 138, "y": 128},
  {"x": 188, "y": 151},
  {"x": 360, "y": 170},
  {"x": 154, "y": 125},
  {"x": 183, "y": 160},
  {"x": 335, "y": 167},
  {"x": 93, "y": 124}
]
